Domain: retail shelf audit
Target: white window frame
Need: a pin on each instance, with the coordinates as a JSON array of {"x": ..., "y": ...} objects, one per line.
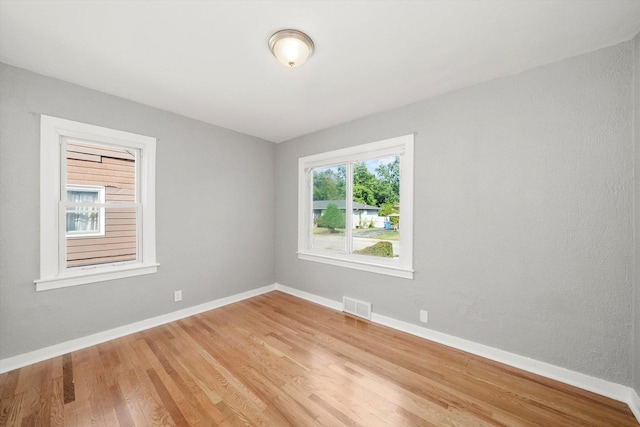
[
  {"x": 101, "y": 199},
  {"x": 53, "y": 271},
  {"x": 402, "y": 266}
]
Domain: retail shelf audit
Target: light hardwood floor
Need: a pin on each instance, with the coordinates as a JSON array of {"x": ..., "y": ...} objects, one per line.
[{"x": 276, "y": 360}]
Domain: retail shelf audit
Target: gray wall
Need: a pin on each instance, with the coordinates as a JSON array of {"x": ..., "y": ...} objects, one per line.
[
  {"x": 215, "y": 214},
  {"x": 636, "y": 121},
  {"x": 523, "y": 232}
]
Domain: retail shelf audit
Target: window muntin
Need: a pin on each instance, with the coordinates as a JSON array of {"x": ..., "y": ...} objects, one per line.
[
  {"x": 363, "y": 184},
  {"x": 76, "y": 161}
]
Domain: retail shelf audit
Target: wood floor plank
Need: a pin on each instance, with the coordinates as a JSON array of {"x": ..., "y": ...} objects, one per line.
[
  {"x": 120, "y": 406},
  {"x": 56, "y": 413},
  {"x": 141, "y": 395},
  {"x": 148, "y": 360},
  {"x": 67, "y": 379},
  {"x": 167, "y": 400},
  {"x": 89, "y": 384},
  {"x": 277, "y": 360},
  {"x": 203, "y": 404},
  {"x": 14, "y": 417},
  {"x": 260, "y": 377},
  {"x": 33, "y": 387}
]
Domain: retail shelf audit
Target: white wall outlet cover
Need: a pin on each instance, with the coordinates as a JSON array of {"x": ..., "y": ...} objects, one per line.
[
  {"x": 177, "y": 296},
  {"x": 424, "y": 316}
]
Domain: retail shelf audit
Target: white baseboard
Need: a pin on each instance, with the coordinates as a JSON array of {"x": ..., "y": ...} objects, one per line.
[
  {"x": 605, "y": 388},
  {"x": 25, "y": 359},
  {"x": 335, "y": 305},
  {"x": 609, "y": 389},
  {"x": 634, "y": 403}
]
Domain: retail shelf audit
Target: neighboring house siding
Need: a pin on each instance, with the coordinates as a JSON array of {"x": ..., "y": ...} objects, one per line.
[{"x": 115, "y": 170}]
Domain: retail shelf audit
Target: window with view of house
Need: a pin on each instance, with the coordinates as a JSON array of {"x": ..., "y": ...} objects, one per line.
[
  {"x": 97, "y": 204},
  {"x": 356, "y": 207}
]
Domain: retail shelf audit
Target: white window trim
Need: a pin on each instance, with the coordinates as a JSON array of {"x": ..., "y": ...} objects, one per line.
[
  {"x": 52, "y": 276},
  {"x": 400, "y": 267},
  {"x": 101, "y": 199}
]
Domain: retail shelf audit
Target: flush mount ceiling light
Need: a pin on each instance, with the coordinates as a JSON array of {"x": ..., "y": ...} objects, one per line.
[{"x": 291, "y": 47}]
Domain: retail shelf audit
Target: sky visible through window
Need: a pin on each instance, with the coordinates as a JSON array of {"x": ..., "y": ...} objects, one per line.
[{"x": 372, "y": 165}]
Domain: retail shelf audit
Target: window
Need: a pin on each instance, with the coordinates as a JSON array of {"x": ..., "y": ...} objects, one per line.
[
  {"x": 84, "y": 221},
  {"x": 97, "y": 204},
  {"x": 356, "y": 207}
]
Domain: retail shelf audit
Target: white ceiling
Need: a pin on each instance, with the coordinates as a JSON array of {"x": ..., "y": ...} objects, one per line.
[{"x": 209, "y": 59}]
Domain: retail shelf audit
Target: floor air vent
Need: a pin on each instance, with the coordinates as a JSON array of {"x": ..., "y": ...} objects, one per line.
[{"x": 357, "y": 308}]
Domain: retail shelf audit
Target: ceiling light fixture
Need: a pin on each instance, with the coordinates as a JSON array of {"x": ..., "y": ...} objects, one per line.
[{"x": 291, "y": 48}]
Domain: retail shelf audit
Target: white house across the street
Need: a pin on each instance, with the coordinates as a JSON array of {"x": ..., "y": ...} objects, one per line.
[{"x": 363, "y": 215}]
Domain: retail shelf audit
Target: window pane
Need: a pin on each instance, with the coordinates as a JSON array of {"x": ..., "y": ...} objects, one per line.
[
  {"x": 100, "y": 174},
  {"x": 376, "y": 207},
  {"x": 83, "y": 196},
  {"x": 329, "y": 204},
  {"x": 117, "y": 244},
  {"x": 83, "y": 220},
  {"x": 102, "y": 166}
]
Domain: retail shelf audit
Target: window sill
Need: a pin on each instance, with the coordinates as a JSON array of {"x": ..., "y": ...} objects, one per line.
[
  {"x": 389, "y": 270},
  {"x": 99, "y": 275}
]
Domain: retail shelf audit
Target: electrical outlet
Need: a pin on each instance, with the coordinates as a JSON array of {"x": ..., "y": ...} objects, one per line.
[
  {"x": 177, "y": 296},
  {"x": 424, "y": 316}
]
